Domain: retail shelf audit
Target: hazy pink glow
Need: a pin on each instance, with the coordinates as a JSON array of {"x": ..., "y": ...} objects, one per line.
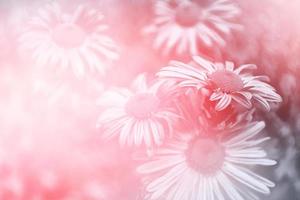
[{"x": 50, "y": 146}]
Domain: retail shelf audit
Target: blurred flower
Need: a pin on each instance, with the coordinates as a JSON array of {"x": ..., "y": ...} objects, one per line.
[
  {"x": 288, "y": 169},
  {"x": 225, "y": 84},
  {"x": 206, "y": 168},
  {"x": 184, "y": 24},
  {"x": 137, "y": 116},
  {"x": 288, "y": 84},
  {"x": 287, "y": 165},
  {"x": 69, "y": 40}
]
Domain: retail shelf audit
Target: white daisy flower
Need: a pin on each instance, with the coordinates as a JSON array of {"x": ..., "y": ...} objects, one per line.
[
  {"x": 68, "y": 40},
  {"x": 184, "y": 24},
  {"x": 225, "y": 83},
  {"x": 139, "y": 116},
  {"x": 205, "y": 168}
]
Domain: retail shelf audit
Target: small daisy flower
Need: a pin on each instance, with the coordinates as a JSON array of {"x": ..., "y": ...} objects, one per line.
[
  {"x": 205, "y": 168},
  {"x": 67, "y": 40},
  {"x": 184, "y": 24},
  {"x": 224, "y": 83},
  {"x": 139, "y": 116}
]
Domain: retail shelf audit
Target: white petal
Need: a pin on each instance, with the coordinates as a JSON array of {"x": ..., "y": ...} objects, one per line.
[
  {"x": 138, "y": 134},
  {"x": 158, "y": 137},
  {"x": 147, "y": 134},
  {"x": 245, "y": 67},
  {"x": 217, "y": 191},
  {"x": 242, "y": 100},
  {"x": 161, "y": 164},
  {"x": 242, "y": 176},
  {"x": 164, "y": 182},
  {"x": 262, "y": 101},
  {"x": 228, "y": 187},
  {"x": 174, "y": 37},
  {"x": 204, "y": 63},
  {"x": 126, "y": 130},
  {"x": 216, "y": 96},
  {"x": 223, "y": 102},
  {"x": 140, "y": 83},
  {"x": 252, "y": 161},
  {"x": 247, "y": 133}
]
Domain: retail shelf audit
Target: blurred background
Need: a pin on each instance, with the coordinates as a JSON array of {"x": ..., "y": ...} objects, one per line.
[{"x": 50, "y": 148}]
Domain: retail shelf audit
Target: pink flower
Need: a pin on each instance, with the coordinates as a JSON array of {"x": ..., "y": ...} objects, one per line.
[
  {"x": 207, "y": 168},
  {"x": 66, "y": 41},
  {"x": 183, "y": 24},
  {"x": 138, "y": 116},
  {"x": 226, "y": 84}
]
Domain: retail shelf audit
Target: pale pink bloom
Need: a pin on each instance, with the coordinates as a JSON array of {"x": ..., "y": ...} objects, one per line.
[
  {"x": 138, "y": 116},
  {"x": 65, "y": 40},
  {"x": 225, "y": 83},
  {"x": 200, "y": 167},
  {"x": 183, "y": 24},
  {"x": 288, "y": 84}
]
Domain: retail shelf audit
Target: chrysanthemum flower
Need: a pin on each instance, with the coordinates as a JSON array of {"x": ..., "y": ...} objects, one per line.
[
  {"x": 139, "y": 116},
  {"x": 68, "y": 40},
  {"x": 207, "y": 169},
  {"x": 225, "y": 83},
  {"x": 184, "y": 24}
]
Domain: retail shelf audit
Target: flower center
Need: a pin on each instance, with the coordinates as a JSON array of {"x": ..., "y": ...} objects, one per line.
[
  {"x": 142, "y": 105},
  {"x": 205, "y": 156},
  {"x": 187, "y": 14},
  {"x": 68, "y": 35},
  {"x": 173, "y": 3},
  {"x": 227, "y": 81}
]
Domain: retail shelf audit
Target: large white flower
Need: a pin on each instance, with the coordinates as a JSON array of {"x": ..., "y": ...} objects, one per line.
[
  {"x": 69, "y": 40},
  {"x": 186, "y": 24},
  {"x": 225, "y": 83},
  {"x": 191, "y": 168},
  {"x": 139, "y": 116}
]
